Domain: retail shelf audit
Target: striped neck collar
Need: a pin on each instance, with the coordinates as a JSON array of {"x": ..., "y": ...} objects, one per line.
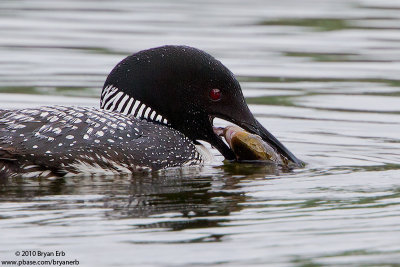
[{"x": 113, "y": 99}]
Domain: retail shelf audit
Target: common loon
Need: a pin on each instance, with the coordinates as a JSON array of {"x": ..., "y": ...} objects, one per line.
[{"x": 155, "y": 105}]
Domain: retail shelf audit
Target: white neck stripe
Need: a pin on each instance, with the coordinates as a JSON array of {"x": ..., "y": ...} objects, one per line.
[
  {"x": 121, "y": 108},
  {"x": 134, "y": 108},
  {"x": 153, "y": 114},
  {"x": 113, "y": 99},
  {"x": 107, "y": 93},
  {"x": 139, "y": 114},
  {"x": 146, "y": 113}
]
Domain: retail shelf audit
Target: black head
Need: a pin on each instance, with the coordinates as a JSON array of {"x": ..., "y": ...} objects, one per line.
[{"x": 185, "y": 88}]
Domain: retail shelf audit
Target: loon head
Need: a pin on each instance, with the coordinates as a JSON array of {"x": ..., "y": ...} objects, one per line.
[{"x": 186, "y": 89}]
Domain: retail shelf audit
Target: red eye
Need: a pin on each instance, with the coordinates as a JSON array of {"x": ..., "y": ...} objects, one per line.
[{"x": 215, "y": 94}]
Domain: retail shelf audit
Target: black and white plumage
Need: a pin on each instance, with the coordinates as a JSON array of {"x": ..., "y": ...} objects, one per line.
[
  {"x": 57, "y": 140},
  {"x": 155, "y": 105},
  {"x": 113, "y": 99}
]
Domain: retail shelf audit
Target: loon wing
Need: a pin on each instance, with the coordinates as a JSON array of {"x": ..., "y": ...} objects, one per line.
[{"x": 59, "y": 140}]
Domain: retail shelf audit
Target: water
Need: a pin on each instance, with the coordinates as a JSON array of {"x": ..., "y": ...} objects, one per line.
[{"x": 323, "y": 76}]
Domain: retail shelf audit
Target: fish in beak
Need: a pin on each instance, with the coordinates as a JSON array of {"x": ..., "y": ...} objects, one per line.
[
  {"x": 250, "y": 147},
  {"x": 256, "y": 134}
]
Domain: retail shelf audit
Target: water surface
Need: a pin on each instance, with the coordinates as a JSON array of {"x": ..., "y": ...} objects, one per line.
[{"x": 322, "y": 76}]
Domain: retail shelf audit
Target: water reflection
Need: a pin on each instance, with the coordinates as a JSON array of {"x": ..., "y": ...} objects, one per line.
[
  {"x": 173, "y": 200},
  {"x": 177, "y": 193}
]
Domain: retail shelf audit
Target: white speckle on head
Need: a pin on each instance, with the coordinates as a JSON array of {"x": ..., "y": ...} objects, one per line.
[
  {"x": 110, "y": 140},
  {"x": 100, "y": 133},
  {"x": 60, "y": 144},
  {"x": 44, "y": 114},
  {"x": 48, "y": 152},
  {"x": 77, "y": 121},
  {"x": 35, "y": 146},
  {"x": 69, "y": 136},
  {"x": 97, "y": 141},
  {"x": 86, "y": 137},
  {"x": 89, "y": 130},
  {"x": 136, "y": 129}
]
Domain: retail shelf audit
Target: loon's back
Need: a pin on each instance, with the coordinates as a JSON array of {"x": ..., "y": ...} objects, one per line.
[{"x": 58, "y": 140}]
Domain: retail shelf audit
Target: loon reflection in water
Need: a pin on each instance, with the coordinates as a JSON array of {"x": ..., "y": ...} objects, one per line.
[{"x": 155, "y": 106}]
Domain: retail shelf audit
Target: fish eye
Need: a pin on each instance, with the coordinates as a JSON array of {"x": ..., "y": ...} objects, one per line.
[{"x": 215, "y": 94}]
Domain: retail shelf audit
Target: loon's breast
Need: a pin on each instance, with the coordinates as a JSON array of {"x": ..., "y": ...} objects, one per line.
[{"x": 59, "y": 140}]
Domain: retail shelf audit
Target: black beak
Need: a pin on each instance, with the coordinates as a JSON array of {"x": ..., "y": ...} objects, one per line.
[
  {"x": 256, "y": 128},
  {"x": 247, "y": 121}
]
